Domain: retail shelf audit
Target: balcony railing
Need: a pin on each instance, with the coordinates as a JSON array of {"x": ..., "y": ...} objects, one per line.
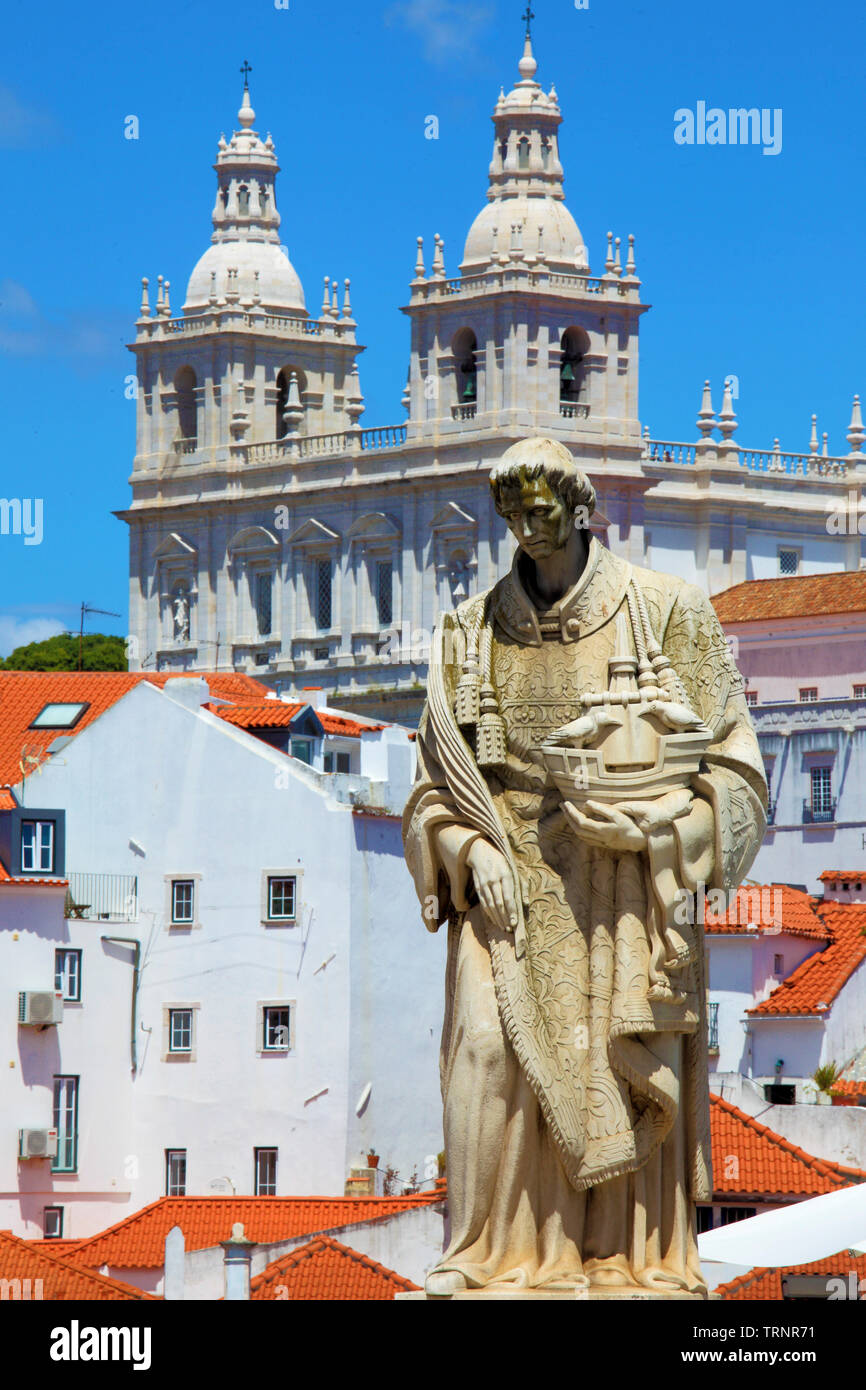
[
  {"x": 573, "y": 410},
  {"x": 103, "y": 897},
  {"x": 463, "y": 412},
  {"x": 819, "y": 815}
]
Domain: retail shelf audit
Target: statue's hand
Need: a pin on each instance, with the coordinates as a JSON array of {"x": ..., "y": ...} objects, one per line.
[
  {"x": 493, "y": 884},
  {"x": 607, "y": 828},
  {"x": 663, "y": 811}
]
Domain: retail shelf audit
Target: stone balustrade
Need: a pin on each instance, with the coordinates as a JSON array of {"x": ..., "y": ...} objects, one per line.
[{"x": 811, "y": 466}]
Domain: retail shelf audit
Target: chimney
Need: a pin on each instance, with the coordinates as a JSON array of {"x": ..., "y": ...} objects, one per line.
[
  {"x": 237, "y": 1256},
  {"x": 173, "y": 1282},
  {"x": 314, "y": 695},
  {"x": 190, "y": 691}
]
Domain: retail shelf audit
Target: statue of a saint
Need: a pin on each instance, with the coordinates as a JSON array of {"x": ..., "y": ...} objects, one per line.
[
  {"x": 586, "y": 759},
  {"x": 181, "y": 615}
]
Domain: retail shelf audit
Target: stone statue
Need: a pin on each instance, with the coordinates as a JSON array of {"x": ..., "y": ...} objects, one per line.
[
  {"x": 586, "y": 759},
  {"x": 181, "y": 615}
]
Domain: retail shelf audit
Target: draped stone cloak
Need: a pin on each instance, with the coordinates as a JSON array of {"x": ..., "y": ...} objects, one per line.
[{"x": 573, "y": 981}]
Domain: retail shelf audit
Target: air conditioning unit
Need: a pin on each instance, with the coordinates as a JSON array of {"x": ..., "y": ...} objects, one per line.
[
  {"x": 40, "y": 1008},
  {"x": 37, "y": 1143}
]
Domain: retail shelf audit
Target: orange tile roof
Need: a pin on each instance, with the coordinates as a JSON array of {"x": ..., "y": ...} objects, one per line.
[
  {"x": 751, "y": 1160},
  {"x": 22, "y": 880},
  {"x": 276, "y": 714},
  {"x": 843, "y": 1086},
  {"x": 327, "y": 1270},
  {"x": 267, "y": 714},
  {"x": 7, "y": 800},
  {"x": 800, "y": 596},
  {"x": 845, "y": 875},
  {"x": 61, "y": 1281},
  {"x": 812, "y": 987},
  {"x": 766, "y": 1284},
  {"x": 795, "y": 910},
  {"x": 24, "y": 693},
  {"x": 138, "y": 1241},
  {"x": 349, "y": 728}
]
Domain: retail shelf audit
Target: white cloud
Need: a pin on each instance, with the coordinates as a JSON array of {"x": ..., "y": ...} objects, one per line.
[
  {"x": 17, "y": 632},
  {"x": 24, "y": 127},
  {"x": 446, "y": 28}
]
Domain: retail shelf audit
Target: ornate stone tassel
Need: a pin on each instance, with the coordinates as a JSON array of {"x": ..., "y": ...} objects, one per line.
[
  {"x": 467, "y": 698},
  {"x": 490, "y": 747}
]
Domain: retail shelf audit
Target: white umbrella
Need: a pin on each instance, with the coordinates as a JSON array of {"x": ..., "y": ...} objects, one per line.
[{"x": 792, "y": 1235}]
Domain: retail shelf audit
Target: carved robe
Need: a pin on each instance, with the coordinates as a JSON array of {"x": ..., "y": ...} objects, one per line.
[{"x": 576, "y": 1099}]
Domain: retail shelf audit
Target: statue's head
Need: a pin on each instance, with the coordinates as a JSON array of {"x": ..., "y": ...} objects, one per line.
[{"x": 542, "y": 494}]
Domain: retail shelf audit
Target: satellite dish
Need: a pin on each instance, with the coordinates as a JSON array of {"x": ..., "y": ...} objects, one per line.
[{"x": 364, "y": 1099}]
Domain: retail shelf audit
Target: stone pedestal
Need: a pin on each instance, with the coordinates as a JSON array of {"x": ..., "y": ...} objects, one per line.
[{"x": 591, "y": 1295}]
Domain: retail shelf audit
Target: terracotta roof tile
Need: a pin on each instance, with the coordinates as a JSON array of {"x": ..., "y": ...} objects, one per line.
[
  {"x": 766, "y": 1284},
  {"x": 751, "y": 1160},
  {"x": 138, "y": 1242},
  {"x": 267, "y": 714},
  {"x": 61, "y": 1281},
  {"x": 812, "y": 987},
  {"x": 844, "y": 875},
  {"x": 24, "y": 693},
  {"x": 769, "y": 905},
  {"x": 349, "y": 728},
  {"x": 327, "y": 1270},
  {"x": 845, "y": 1086},
  {"x": 7, "y": 800},
  {"x": 800, "y": 596}
]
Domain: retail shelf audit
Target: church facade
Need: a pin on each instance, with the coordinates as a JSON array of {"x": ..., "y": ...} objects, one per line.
[{"x": 272, "y": 533}]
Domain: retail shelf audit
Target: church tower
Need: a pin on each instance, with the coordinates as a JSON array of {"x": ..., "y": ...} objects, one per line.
[
  {"x": 526, "y": 340},
  {"x": 227, "y": 394}
]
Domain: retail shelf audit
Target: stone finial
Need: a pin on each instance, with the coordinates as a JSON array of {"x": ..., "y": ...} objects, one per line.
[
  {"x": 813, "y": 438},
  {"x": 326, "y": 300},
  {"x": 347, "y": 299},
  {"x": 246, "y": 114},
  {"x": 144, "y": 309},
  {"x": 825, "y": 451},
  {"x": 609, "y": 261},
  {"x": 335, "y": 307},
  {"x": 166, "y": 303},
  {"x": 617, "y": 263},
  {"x": 727, "y": 414},
  {"x": 856, "y": 434},
  {"x": 160, "y": 295},
  {"x": 406, "y": 398},
  {"x": 527, "y": 66},
  {"x": 354, "y": 399},
  {"x": 439, "y": 259},
  {"x": 630, "y": 267},
  {"x": 420, "y": 269},
  {"x": 706, "y": 421}
]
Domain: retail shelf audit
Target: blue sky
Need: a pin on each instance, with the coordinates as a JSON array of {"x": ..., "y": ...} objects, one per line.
[{"x": 753, "y": 263}]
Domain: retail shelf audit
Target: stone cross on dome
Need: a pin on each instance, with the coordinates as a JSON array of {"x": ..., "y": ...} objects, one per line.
[
  {"x": 529, "y": 17},
  {"x": 246, "y": 115}
]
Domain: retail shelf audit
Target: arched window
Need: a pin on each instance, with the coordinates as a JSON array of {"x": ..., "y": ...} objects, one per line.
[
  {"x": 572, "y": 372},
  {"x": 187, "y": 411},
  {"x": 465, "y": 347},
  {"x": 523, "y": 154},
  {"x": 243, "y": 201}
]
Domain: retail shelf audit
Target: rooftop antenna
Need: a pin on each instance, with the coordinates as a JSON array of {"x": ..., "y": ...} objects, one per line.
[{"x": 85, "y": 609}]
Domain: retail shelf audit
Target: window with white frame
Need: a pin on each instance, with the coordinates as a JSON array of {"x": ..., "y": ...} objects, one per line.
[
  {"x": 751, "y": 698},
  {"x": 67, "y": 974},
  {"x": 808, "y": 694},
  {"x": 821, "y": 779},
  {"x": 175, "y": 1172},
  {"x": 180, "y": 1023},
  {"x": 66, "y": 1124},
  {"x": 338, "y": 762},
  {"x": 52, "y": 1223},
  {"x": 860, "y": 692},
  {"x": 265, "y": 1164},
  {"x": 789, "y": 562},
  {"x": 282, "y": 896},
  {"x": 276, "y": 1028},
  {"x": 182, "y": 901},
  {"x": 37, "y": 846}
]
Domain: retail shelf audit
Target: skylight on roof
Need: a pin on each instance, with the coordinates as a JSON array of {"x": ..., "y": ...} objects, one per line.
[{"x": 60, "y": 716}]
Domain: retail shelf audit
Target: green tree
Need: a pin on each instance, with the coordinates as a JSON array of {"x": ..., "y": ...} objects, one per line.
[{"x": 99, "y": 652}]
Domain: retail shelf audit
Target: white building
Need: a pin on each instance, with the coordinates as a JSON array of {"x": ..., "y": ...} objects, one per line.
[
  {"x": 270, "y": 531},
  {"x": 259, "y": 1004}
]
